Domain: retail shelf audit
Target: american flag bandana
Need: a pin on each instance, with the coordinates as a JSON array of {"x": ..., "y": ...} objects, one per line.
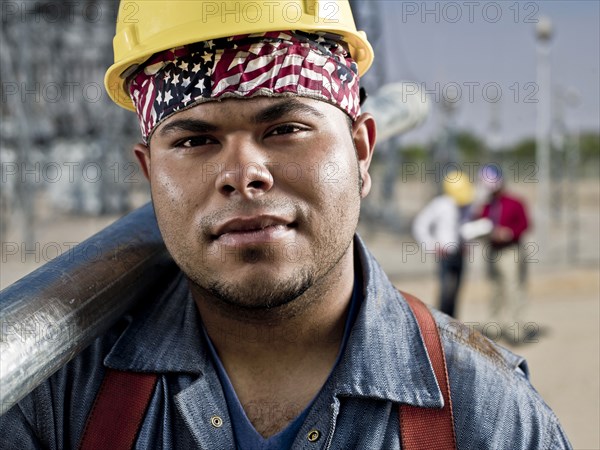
[{"x": 272, "y": 64}]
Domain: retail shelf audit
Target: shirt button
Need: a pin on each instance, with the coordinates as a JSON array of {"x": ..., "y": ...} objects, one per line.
[
  {"x": 313, "y": 436},
  {"x": 216, "y": 421}
]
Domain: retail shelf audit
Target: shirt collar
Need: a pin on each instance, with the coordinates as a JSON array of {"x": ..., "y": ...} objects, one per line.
[{"x": 385, "y": 356}]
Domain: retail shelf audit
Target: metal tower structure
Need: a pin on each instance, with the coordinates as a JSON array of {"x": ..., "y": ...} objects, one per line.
[{"x": 367, "y": 16}]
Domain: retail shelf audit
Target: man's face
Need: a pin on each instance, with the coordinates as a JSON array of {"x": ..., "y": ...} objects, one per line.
[{"x": 258, "y": 199}]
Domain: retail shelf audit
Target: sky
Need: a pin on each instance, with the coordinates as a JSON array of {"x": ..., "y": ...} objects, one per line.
[{"x": 483, "y": 54}]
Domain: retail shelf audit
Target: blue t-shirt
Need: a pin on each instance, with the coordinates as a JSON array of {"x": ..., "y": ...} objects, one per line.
[{"x": 246, "y": 436}]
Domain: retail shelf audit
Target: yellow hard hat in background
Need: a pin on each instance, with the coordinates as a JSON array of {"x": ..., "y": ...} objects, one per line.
[
  {"x": 145, "y": 27},
  {"x": 458, "y": 186}
]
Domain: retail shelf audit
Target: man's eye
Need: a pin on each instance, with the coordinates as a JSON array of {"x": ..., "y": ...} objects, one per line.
[
  {"x": 196, "y": 141},
  {"x": 286, "y": 129}
]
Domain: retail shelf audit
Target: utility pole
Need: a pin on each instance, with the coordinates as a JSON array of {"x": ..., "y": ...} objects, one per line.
[
  {"x": 494, "y": 141},
  {"x": 572, "y": 98},
  {"x": 445, "y": 151},
  {"x": 544, "y": 33}
]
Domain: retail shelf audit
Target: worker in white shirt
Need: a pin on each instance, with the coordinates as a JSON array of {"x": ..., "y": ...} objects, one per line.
[{"x": 437, "y": 228}]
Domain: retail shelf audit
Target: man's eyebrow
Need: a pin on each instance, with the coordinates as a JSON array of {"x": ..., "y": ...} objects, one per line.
[
  {"x": 269, "y": 114},
  {"x": 193, "y": 125},
  {"x": 282, "y": 108}
]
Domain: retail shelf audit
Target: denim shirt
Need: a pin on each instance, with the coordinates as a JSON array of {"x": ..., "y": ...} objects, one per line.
[{"x": 384, "y": 364}]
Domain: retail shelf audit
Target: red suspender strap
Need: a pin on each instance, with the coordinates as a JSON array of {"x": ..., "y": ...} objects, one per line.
[
  {"x": 118, "y": 411},
  {"x": 428, "y": 428}
]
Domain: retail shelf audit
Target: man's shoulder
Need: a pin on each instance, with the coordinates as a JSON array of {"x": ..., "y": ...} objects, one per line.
[
  {"x": 54, "y": 413},
  {"x": 457, "y": 336},
  {"x": 491, "y": 391},
  {"x": 57, "y": 409}
]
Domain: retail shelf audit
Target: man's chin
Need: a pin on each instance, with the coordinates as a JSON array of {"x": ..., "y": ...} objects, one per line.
[{"x": 258, "y": 293}]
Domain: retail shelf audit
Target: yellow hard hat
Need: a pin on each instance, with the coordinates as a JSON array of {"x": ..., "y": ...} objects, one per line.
[
  {"x": 458, "y": 186},
  {"x": 145, "y": 27}
]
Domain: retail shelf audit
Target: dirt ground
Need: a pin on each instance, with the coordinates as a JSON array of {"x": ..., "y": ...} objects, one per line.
[{"x": 563, "y": 295}]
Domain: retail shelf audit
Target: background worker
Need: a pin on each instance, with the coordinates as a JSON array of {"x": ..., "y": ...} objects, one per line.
[
  {"x": 281, "y": 330},
  {"x": 437, "y": 228},
  {"x": 506, "y": 257}
]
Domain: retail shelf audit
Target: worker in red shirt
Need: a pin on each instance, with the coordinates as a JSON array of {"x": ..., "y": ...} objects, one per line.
[{"x": 505, "y": 253}]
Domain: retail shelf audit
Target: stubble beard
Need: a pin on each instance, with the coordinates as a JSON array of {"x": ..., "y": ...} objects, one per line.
[
  {"x": 258, "y": 295},
  {"x": 263, "y": 298}
]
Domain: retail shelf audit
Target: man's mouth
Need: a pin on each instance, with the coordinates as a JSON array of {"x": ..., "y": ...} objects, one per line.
[{"x": 253, "y": 230}]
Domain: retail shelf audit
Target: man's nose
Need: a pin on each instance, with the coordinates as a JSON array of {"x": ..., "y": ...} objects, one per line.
[{"x": 245, "y": 171}]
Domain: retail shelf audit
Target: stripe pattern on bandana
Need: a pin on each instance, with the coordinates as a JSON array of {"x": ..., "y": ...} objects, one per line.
[{"x": 266, "y": 64}]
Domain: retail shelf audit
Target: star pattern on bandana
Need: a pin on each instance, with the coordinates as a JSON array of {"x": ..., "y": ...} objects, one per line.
[{"x": 184, "y": 81}]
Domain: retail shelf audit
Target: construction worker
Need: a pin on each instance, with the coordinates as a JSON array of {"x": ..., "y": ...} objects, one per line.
[
  {"x": 437, "y": 230},
  {"x": 505, "y": 253},
  {"x": 281, "y": 330}
]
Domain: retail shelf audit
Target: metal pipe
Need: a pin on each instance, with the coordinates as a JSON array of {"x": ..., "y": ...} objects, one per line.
[{"x": 50, "y": 315}]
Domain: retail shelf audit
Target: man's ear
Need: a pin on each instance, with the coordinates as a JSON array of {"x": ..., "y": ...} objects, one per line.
[
  {"x": 364, "y": 133},
  {"x": 142, "y": 153}
]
